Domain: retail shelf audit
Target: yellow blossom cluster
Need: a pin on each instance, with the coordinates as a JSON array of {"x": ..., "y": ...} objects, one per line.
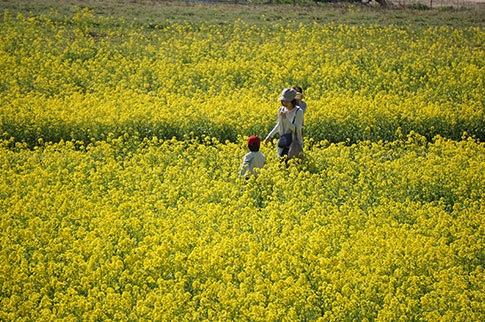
[
  {"x": 84, "y": 76},
  {"x": 152, "y": 229}
]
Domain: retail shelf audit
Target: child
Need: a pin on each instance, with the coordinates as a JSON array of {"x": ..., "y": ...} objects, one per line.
[
  {"x": 299, "y": 98},
  {"x": 252, "y": 160},
  {"x": 300, "y": 102}
]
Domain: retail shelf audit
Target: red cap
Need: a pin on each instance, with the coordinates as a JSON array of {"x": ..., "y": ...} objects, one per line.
[{"x": 254, "y": 140}]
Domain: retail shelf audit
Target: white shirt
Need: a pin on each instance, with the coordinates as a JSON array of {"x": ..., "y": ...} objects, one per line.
[
  {"x": 287, "y": 125},
  {"x": 251, "y": 161}
]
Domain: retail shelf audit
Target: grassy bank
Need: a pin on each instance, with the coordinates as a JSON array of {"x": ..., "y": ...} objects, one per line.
[{"x": 157, "y": 12}]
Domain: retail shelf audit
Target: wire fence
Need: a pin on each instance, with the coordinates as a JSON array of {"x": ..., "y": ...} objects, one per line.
[
  {"x": 439, "y": 3},
  {"x": 417, "y": 4}
]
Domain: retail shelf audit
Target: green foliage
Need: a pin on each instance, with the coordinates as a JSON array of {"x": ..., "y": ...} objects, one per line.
[{"x": 418, "y": 6}]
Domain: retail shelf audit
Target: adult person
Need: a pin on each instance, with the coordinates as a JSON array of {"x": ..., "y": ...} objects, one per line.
[{"x": 290, "y": 120}]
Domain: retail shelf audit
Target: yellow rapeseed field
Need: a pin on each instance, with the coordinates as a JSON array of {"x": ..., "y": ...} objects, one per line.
[
  {"x": 164, "y": 230},
  {"x": 119, "y": 160},
  {"x": 86, "y": 76}
]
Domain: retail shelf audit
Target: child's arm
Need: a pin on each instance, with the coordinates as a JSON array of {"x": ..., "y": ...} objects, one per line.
[{"x": 244, "y": 165}]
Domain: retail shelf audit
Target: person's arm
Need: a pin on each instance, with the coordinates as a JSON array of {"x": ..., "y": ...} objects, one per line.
[
  {"x": 272, "y": 133},
  {"x": 244, "y": 165},
  {"x": 274, "y": 130}
]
